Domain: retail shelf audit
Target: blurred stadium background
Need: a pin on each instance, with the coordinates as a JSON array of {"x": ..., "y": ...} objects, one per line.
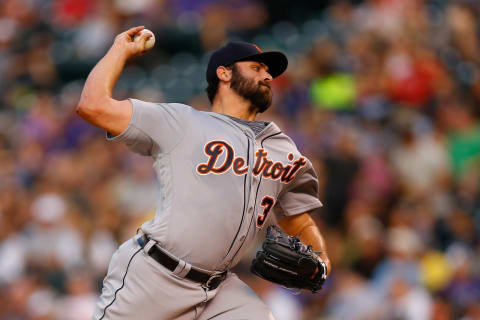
[{"x": 382, "y": 95}]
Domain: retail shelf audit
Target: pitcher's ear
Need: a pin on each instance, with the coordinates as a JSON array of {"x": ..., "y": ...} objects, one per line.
[{"x": 224, "y": 73}]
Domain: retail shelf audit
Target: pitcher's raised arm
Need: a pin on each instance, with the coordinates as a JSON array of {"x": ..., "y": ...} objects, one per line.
[{"x": 96, "y": 104}]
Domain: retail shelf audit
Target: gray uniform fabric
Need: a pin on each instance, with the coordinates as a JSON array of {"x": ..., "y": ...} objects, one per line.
[
  {"x": 256, "y": 126},
  {"x": 219, "y": 183}
]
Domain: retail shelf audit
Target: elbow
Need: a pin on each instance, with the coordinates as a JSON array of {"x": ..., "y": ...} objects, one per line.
[
  {"x": 85, "y": 111},
  {"x": 88, "y": 109},
  {"x": 80, "y": 109}
]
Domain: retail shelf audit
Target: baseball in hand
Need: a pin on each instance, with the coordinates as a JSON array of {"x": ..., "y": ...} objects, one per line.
[{"x": 150, "y": 41}]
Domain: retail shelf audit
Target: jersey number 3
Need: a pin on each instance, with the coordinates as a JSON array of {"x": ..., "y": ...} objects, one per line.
[{"x": 267, "y": 204}]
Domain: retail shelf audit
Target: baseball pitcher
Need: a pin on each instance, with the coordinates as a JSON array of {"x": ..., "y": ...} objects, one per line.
[{"x": 221, "y": 175}]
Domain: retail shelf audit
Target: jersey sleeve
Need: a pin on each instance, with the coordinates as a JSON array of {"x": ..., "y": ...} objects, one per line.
[
  {"x": 300, "y": 195},
  {"x": 154, "y": 127}
]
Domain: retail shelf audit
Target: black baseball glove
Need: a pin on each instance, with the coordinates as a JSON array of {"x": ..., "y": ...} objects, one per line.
[{"x": 288, "y": 262}]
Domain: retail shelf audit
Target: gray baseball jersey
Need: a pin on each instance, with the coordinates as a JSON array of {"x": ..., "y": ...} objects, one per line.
[
  {"x": 219, "y": 185},
  {"x": 218, "y": 181}
]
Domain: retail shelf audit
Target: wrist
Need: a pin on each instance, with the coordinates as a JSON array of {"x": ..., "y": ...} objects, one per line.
[
  {"x": 118, "y": 52},
  {"x": 323, "y": 256}
]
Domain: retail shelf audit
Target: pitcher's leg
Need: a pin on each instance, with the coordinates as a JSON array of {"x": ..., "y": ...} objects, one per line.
[
  {"x": 112, "y": 284},
  {"x": 235, "y": 300},
  {"x": 138, "y": 287}
]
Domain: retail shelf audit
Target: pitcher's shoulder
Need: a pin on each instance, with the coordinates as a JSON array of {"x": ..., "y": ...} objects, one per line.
[{"x": 273, "y": 135}]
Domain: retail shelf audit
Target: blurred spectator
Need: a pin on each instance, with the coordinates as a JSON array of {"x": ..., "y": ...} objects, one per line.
[
  {"x": 407, "y": 301},
  {"x": 464, "y": 288},
  {"x": 353, "y": 299},
  {"x": 53, "y": 242},
  {"x": 79, "y": 303},
  {"x": 403, "y": 247},
  {"x": 420, "y": 159}
]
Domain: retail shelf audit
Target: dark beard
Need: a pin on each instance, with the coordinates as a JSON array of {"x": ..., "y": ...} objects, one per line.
[{"x": 259, "y": 95}]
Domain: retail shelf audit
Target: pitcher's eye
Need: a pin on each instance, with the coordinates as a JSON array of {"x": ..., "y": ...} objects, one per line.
[{"x": 256, "y": 68}]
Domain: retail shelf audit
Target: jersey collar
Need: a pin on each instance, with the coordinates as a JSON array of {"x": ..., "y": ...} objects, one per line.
[{"x": 271, "y": 128}]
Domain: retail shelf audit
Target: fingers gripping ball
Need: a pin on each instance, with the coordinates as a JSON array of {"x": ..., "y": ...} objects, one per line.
[{"x": 149, "y": 43}]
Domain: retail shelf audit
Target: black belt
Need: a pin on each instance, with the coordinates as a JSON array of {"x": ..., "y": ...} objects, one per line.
[{"x": 208, "y": 281}]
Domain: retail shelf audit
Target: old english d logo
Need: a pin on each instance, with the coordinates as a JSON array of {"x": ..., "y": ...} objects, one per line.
[{"x": 256, "y": 47}]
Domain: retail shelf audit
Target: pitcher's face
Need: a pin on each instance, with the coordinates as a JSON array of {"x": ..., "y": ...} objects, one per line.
[{"x": 251, "y": 80}]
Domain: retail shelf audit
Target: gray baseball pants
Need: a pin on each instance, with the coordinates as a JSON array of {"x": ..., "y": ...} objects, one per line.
[{"x": 138, "y": 287}]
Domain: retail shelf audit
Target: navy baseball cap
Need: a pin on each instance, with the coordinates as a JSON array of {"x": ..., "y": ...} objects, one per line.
[{"x": 242, "y": 51}]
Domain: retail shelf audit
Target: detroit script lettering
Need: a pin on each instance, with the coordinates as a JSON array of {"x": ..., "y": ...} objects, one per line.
[{"x": 264, "y": 166}]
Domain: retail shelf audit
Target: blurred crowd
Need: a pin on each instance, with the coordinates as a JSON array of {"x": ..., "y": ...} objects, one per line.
[{"x": 382, "y": 95}]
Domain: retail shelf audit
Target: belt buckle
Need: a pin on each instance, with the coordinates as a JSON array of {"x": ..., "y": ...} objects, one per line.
[{"x": 214, "y": 281}]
